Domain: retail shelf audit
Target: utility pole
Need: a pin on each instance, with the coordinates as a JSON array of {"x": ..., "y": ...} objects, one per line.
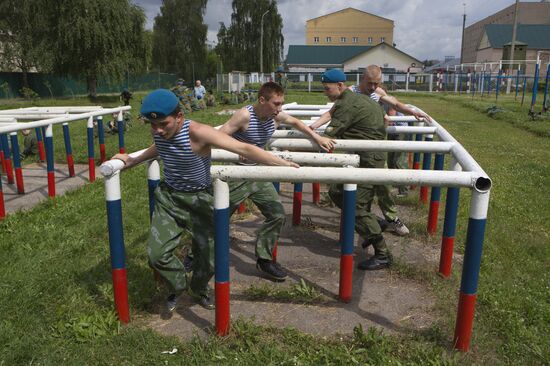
[
  {"x": 262, "y": 43},
  {"x": 463, "y": 27},
  {"x": 513, "y": 47}
]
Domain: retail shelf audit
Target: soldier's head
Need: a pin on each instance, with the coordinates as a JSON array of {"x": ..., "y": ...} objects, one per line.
[
  {"x": 161, "y": 109},
  {"x": 334, "y": 83},
  {"x": 271, "y": 97},
  {"x": 25, "y": 132},
  {"x": 372, "y": 78},
  {"x": 198, "y": 83}
]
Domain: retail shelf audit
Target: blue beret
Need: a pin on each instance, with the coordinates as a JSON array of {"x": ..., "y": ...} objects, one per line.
[
  {"x": 159, "y": 104},
  {"x": 333, "y": 76}
]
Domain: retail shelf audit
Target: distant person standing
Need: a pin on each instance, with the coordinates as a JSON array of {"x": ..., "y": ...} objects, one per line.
[
  {"x": 200, "y": 91},
  {"x": 280, "y": 78},
  {"x": 125, "y": 96}
]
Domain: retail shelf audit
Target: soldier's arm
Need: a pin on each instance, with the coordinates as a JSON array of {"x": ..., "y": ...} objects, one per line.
[
  {"x": 400, "y": 107},
  {"x": 324, "y": 119},
  {"x": 238, "y": 122},
  {"x": 325, "y": 143}
]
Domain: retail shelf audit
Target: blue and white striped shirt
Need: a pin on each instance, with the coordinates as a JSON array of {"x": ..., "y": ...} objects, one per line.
[
  {"x": 183, "y": 169},
  {"x": 376, "y": 98},
  {"x": 258, "y": 133}
]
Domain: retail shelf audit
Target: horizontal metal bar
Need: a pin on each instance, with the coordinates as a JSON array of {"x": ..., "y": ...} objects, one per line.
[
  {"x": 315, "y": 159},
  {"x": 393, "y": 130},
  {"x": 345, "y": 175},
  {"x": 364, "y": 145}
]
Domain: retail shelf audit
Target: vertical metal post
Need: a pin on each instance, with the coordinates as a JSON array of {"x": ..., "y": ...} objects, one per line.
[
  {"x": 535, "y": 88},
  {"x": 347, "y": 238},
  {"x": 2, "y": 207},
  {"x": 91, "y": 156},
  {"x": 221, "y": 262},
  {"x": 40, "y": 143},
  {"x": 153, "y": 180},
  {"x": 120, "y": 127},
  {"x": 297, "y": 204},
  {"x": 68, "y": 149},
  {"x": 426, "y": 165},
  {"x": 8, "y": 169},
  {"x": 449, "y": 226},
  {"x": 470, "y": 270},
  {"x": 545, "y": 100},
  {"x": 116, "y": 246},
  {"x": 17, "y": 163},
  {"x": 435, "y": 197},
  {"x": 101, "y": 138},
  {"x": 48, "y": 141}
]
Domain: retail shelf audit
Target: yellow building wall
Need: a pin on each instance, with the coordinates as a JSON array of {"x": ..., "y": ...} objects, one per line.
[{"x": 347, "y": 24}]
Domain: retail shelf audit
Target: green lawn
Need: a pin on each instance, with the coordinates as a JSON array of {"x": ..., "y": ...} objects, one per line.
[{"x": 55, "y": 284}]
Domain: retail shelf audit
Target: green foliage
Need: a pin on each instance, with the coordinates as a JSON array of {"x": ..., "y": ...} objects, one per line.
[
  {"x": 179, "y": 37},
  {"x": 299, "y": 292},
  {"x": 5, "y": 89},
  {"x": 28, "y": 94},
  {"x": 95, "y": 38},
  {"x": 88, "y": 327},
  {"x": 243, "y": 36}
]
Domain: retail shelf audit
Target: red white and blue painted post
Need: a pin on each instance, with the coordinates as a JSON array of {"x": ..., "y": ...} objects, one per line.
[
  {"x": 297, "y": 204},
  {"x": 68, "y": 149},
  {"x": 426, "y": 165},
  {"x": 17, "y": 163},
  {"x": 116, "y": 246},
  {"x": 48, "y": 141},
  {"x": 470, "y": 270},
  {"x": 2, "y": 208},
  {"x": 221, "y": 259},
  {"x": 2, "y": 157},
  {"x": 91, "y": 155},
  {"x": 40, "y": 143},
  {"x": 120, "y": 127},
  {"x": 416, "y": 155},
  {"x": 101, "y": 138},
  {"x": 153, "y": 180},
  {"x": 316, "y": 192},
  {"x": 7, "y": 159},
  {"x": 435, "y": 197},
  {"x": 449, "y": 226},
  {"x": 277, "y": 186},
  {"x": 347, "y": 239}
]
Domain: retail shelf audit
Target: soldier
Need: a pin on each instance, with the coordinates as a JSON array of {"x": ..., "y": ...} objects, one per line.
[
  {"x": 254, "y": 124},
  {"x": 280, "y": 78},
  {"x": 184, "y": 201},
  {"x": 357, "y": 117},
  {"x": 30, "y": 144},
  {"x": 210, "y": 99},
  {"x": 125, "y": 96}
]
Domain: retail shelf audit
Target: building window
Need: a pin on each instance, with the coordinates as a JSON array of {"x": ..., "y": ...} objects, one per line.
[
  {"x": 315, "y": 39},
  {"x": 370, "y": 40},
  {"x": 343, "y": 39},
  {"x": 355, "y": 39},
  {"x": 328, "y": 39},
  {"x": 382, "y": 39}
]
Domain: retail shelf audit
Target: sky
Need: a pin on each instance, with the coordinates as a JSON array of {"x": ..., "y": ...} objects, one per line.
[{"x": 425, "y": 29}]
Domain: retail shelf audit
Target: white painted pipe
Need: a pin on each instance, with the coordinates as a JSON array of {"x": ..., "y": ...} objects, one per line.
[
  {"x": 365, "y": 145},
  {"x": 348, "y": 175},
  {"x": 316, "y": 112},
  {"x": 294, "y": 106},
  {"x": 390, "y": 130},
  {"x": 34, "y": 116},
  {"x": 64, "y": 118},
  {"x": 74, "y": 109},
  {"x": 112, "y": 166},
  {"x": 315, "y": 159}
]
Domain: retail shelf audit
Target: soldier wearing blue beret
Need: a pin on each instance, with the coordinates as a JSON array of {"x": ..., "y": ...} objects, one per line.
[
  {"x": 184, "y": 201},
  {"x": 355, "y": 116}
]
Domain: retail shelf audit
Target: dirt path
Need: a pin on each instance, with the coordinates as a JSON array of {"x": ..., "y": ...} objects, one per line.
[{"x": 310, "y": 252}]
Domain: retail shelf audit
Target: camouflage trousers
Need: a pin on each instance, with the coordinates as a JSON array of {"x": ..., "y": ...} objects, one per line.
[
  {"x": 176, "y": 211},
  {"x": 266, "y": 198}
]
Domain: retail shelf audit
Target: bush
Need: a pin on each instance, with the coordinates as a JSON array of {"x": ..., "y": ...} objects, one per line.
[{"x": 28, "y": 93}]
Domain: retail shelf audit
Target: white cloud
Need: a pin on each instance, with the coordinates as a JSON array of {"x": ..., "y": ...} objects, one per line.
[{"x": 423, "y": 28}]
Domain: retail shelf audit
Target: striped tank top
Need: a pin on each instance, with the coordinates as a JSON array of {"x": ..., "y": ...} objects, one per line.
[
  {"x": 183, "y": 169},
  {"x": 258, "y": 133}
]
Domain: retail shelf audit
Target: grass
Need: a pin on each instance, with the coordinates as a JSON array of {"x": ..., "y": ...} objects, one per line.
[
  {"x": 56, "y": 293},
  {"x": 300, "y": 292}
]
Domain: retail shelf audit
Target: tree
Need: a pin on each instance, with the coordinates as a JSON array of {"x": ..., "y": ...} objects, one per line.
[
  {"x": 179, "y": 37},
  {"x": 22, "y": 38},
  {"x": 238, "y": 45},
  {"x": 100, "y": 38}
]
